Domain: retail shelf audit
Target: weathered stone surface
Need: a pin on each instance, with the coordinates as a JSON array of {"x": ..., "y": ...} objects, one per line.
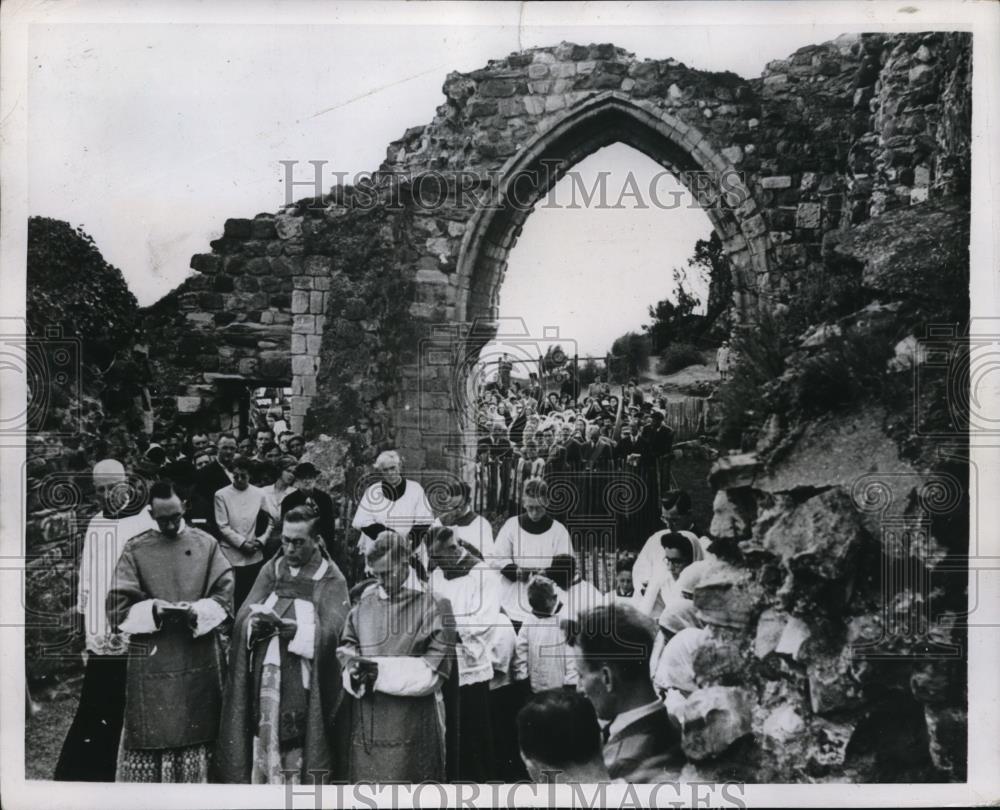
[
  {"x": 821, "y": 535},
  {"x": 908, "y": 250},
  {"x": 831, "y": 685},
  {"x": 726, "y": 597},
  {"x": 714, "y": 718}
]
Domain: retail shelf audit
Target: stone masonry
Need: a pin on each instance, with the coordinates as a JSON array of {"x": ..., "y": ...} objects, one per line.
[{"x": 823, "y": 140}]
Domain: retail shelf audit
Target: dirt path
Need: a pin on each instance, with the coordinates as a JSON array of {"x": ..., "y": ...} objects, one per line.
[{"x": 673, "y": 384}]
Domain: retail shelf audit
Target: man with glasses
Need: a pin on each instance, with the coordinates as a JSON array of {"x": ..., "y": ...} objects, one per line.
[
  {"x": 237, "y": 509},
  {"x": 284, "y": 684},
  {"x": 173, "y": 593},
  {"x": 651, "y": 573}
]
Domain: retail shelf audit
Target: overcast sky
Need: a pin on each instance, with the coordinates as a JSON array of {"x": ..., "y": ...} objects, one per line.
[{"x": 151, "y": 136}]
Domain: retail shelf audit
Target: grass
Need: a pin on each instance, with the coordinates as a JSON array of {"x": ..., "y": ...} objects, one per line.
[{"x": 45, "y": 731}]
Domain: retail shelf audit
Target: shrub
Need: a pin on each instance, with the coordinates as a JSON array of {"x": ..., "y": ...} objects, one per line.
[{"x": 678, "y": 356}]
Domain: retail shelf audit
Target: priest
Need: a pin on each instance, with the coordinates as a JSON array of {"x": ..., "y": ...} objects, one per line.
[
  {"x": 284, "y": 684},
  {"x": 397, "y": 651},
  {"x": 173, "y": 593},
  {"x": 394, "y": 503}
]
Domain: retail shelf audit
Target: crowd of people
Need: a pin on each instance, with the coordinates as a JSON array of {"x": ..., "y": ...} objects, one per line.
[
  {"x": 234, "y": 635},
  {"x": 579, "y": 438}
]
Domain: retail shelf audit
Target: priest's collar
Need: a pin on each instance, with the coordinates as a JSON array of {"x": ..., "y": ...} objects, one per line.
[
  {"x": 394, "y": 493},
  {"x": 534, "y": 526},
  {"x": 462, "y": 520}
]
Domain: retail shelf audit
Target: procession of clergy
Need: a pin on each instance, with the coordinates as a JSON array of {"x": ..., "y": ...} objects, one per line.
[{"x": 459, "y": 656}]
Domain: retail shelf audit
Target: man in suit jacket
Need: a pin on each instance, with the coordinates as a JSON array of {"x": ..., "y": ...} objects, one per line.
[
  {"x": 612, "y": 644},
  {"x": 209, "y": 480}
]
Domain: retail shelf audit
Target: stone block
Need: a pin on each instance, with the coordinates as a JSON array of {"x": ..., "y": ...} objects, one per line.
[
  {"x": 820, "y": 536},
  {"x": 304, "y": 324},
  {"x": 585, "y": 67},
  {"x": 807, "y": 215},
  {"x": 793, "y": 636},
  {"x": 777, "y": 80},
  {"x": 714, "y": 718},
  {"x": 299, "y": 344},
  {"x": 770, "y": 625},
  {"x": 303, "y": 282},
  {"x": 783, "y": 729},
  {"x": 288, "y": 226},
  {"x": 300, "y": 405},
  {"x": 717, "y": 659},
  {"x": 317, "y": 301},
  {"x": 538, "y": 70},
  {"x": 238, "y": 229},
  {"x": 831, "y": 686},
  {"x": 481, "y": 108},
  {"x": 258, "y": 266},
  {"x": 544, "y": 57},
  {"x": 286, "y": 266},
  {"x": 554, "y": 103},
  {"x": 563, "y": 70},
  {"x": 248, "y": 366},
  {"x": 738, "y": 470},
  {"x": 188, "y": 404},
  {"x": 509, "y": 107},
  {"x": 303, "y": 364},
  {"x": 781, "y": 181},
  {"x": 263, "y": 228},
  {"x": 321, "y": 283},
  {"x": 300, "y": 301},
  {"x": 306, "y": 384},
  {"x": 206, "y": 263},
  {"x": 498, "y": 88},
  {"x": 727, "y": 597}
]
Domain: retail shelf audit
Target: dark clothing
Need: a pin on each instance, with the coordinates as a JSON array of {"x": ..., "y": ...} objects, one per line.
[
  {"x": 307, "y": 713},
  {"x": 209, "y": 481},
  {"x": 505, "y": 703},
  {"x": 90, "y": 752},
  {"x": 650, "y": 736},
  {"x": 327, "y": 510}
]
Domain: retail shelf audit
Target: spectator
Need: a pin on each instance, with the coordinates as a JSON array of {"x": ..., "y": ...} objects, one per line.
[
  {"x": 560, "y": 739},
  {"x": 612, "y": 645}
]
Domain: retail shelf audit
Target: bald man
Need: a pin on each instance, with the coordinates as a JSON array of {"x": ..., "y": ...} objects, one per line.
[{"x": 90, "y": 750}]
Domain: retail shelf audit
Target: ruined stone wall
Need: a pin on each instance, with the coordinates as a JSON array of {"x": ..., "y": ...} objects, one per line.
[{"x": 819, "y": 141}]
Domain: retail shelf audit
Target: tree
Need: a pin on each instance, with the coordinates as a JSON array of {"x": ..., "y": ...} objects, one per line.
[
  {"x": 72, "y": 288},
  {"x": 634, "y": 348},
  {"x": 674, "y": 319}
]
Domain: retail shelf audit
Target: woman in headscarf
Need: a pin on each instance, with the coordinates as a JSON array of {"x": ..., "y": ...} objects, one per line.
[
  {"x": 679, "y": 551},
  {"x": 675, "y": 678}
]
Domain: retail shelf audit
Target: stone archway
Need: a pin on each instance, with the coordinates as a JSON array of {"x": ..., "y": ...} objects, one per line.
[
  {"x": 348, "y": 294},
  {"x": 607, "y": 118}
]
